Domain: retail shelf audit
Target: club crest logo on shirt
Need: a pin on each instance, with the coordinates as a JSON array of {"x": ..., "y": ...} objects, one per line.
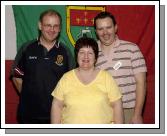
[{"x": 59, "y": 60}]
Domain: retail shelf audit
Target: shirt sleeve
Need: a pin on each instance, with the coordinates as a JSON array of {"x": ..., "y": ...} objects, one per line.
[
  {"x": 17, "y": 69},
  {"x": 138, "y": 61},
  {"x": 113, "y": 90},
  {"x": 58, "y": 92}
]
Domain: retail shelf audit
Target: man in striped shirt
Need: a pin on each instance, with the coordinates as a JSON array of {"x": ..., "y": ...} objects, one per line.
[{"x": 126, "y": 64}]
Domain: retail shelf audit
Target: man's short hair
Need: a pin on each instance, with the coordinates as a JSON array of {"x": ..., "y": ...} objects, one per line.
[
  {"x": 103, "y": 15},
  {"x": 50, "y": 12}
]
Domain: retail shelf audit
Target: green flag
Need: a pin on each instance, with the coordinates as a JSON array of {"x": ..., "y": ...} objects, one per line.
[
  {"x": 77, "y": 21},
  {"x": 26, "y": 21}
]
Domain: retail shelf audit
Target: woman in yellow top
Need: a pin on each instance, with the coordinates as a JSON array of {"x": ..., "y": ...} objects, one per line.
[{"x": 86, "y": 95}]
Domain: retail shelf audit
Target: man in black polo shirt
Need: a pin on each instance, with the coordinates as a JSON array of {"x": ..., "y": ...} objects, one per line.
[{"x": 37, "y": 68}]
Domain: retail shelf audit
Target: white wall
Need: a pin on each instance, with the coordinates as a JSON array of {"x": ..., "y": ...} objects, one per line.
[{"x": 10, "y": 34}]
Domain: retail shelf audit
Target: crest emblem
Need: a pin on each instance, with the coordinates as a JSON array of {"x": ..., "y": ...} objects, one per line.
[
  {"x": 59, "y": 60},
  {"x": 80, "y": 21}
]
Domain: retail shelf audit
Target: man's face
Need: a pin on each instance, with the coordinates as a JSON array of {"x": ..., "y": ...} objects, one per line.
[
  {"x": 106, "y": 31},
  {"x": 50, "y": 27}
]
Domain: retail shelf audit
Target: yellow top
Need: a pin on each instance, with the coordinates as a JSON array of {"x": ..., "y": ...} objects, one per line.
[{"x": 87, "y": 104}]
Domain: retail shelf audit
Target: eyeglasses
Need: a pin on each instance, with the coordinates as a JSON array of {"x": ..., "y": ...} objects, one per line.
[{"x": 48, "y": 26}]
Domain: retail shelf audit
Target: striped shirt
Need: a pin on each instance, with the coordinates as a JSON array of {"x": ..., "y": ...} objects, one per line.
[{"x": 125, "y": 60}]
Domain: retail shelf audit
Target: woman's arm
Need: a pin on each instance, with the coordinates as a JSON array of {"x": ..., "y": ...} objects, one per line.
[
  {"x": 117, "y": 112},
  {"x": 56, "y": 111}
]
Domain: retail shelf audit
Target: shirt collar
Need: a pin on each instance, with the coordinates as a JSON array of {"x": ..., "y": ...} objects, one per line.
[
  {"x": 115, "y": 44},
  {"x": 56, "y": 44}
]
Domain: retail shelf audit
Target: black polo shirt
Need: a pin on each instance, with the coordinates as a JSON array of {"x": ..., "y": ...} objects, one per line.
[{"x": 40, "y": 70}]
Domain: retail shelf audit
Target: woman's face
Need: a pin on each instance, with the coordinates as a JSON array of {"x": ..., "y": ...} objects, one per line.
[{"x": 86, "y": 58}]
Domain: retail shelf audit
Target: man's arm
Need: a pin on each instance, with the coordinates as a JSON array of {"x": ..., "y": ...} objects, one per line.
[
  {"x": 56, "y": 111},
  {"x": 117, "y": 112},
  {"x": 16, "y": 72},
  {"x": 140, "y": 98},
  {"x": 18, "y": 83}
]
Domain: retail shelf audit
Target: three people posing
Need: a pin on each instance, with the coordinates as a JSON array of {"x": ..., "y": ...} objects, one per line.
[{"x": 39, "y": 66}]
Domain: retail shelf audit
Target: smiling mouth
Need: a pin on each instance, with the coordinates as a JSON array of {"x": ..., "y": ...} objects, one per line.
[
  {"x": 51, "y": 35},
  {"x": 85, "y": 61},
  {"x": 106, "y": 37}
]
